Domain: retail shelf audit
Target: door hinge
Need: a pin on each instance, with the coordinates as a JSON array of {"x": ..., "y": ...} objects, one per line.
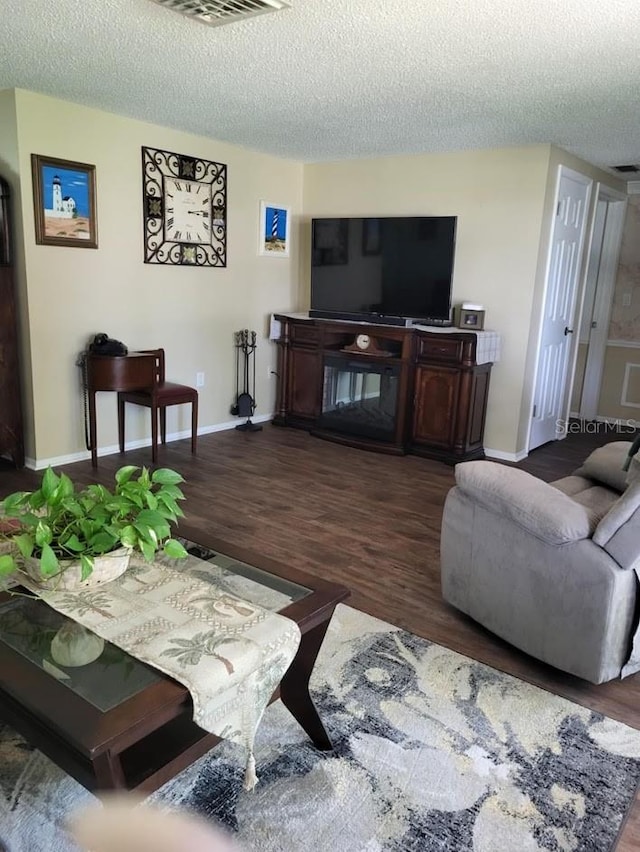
[{"x": 535, "y": 409}]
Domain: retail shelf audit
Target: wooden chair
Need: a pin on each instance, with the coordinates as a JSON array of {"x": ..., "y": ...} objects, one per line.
[{"x": 158, "y": 398}]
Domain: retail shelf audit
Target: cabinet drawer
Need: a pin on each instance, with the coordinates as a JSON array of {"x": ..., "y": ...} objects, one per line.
[
  {"x": 305, "y": 334},
  {"x": 433, "y": 349}
]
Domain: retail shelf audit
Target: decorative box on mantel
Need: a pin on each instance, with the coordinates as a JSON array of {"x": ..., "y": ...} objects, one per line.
[{"x": 392, "y": 389}]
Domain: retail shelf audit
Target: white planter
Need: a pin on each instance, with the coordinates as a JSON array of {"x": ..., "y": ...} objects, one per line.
[{"x": 105, "y": 568}]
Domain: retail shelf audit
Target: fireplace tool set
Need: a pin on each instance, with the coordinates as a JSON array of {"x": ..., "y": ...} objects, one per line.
[{"x": 245, "y": 404}]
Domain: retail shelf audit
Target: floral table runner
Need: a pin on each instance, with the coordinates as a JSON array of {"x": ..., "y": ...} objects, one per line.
[{"x": 230, "y": 654}]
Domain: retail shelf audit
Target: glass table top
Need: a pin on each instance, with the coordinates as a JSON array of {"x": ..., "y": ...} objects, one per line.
[{"x": 29, "y": 626}]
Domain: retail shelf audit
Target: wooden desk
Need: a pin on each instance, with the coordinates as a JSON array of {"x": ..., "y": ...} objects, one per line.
[{"x": 134, "y": 371}]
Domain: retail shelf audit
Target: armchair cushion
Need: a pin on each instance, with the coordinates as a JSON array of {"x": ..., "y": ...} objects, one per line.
[
  {"x": 605, "y": 465},
  {"x": 534, "y": 505},
  {"x": 619, "y": 531}
]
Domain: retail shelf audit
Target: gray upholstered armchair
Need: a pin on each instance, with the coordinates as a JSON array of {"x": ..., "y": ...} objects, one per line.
[{"x": 550, "y": 567}]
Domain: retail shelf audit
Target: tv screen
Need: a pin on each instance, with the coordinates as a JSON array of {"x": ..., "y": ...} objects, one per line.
[{"x": 386, "y": 268}]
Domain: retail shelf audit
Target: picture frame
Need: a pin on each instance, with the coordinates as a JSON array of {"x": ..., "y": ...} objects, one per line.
[
  {"x": 274, "y": 230},
  {"x": 472, "y": 319},
  {"x": 64, "y": 199}
]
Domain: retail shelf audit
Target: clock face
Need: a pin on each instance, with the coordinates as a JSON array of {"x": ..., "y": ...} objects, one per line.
[
  {"x": 187, "y": 207},
  {"x": 363, "y": 341}
]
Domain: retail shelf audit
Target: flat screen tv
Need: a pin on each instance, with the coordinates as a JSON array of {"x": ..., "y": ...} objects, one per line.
[{"x": 391, "y": 269}]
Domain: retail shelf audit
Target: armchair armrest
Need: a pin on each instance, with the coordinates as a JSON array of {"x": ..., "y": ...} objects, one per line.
[{"x": 534, "y": 505}]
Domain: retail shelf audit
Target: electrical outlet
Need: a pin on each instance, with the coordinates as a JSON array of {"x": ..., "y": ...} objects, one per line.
[
  {"x": 199, "y": 380},
  {"x": 626, "y": 300}
]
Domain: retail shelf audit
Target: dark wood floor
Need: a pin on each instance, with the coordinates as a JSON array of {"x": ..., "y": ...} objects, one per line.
[{"x": 367, "y": 520}]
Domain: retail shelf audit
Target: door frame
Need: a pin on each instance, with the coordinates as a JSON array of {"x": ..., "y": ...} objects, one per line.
[
  {"x": 585, "y": 243},
  {"x": 603, "y": 302}
]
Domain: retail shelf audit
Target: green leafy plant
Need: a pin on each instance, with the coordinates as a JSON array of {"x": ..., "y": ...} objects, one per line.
[{"x": 58, "y": 522}]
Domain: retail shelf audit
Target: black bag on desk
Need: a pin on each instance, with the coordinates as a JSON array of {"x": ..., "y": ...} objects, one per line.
[{"x": 104, "y": 345}]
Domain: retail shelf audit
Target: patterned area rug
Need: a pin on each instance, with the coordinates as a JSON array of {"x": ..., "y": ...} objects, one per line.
[{"x": 433, "y": 751}]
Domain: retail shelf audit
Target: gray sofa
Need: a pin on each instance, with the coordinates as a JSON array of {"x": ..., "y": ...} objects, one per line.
[{"x": 550, "y": 567}]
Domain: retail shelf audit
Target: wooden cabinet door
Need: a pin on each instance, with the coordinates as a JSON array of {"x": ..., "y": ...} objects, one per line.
[
  {"x": 11, "y": 434},
  {"x": 435, "y": 405},
  {"x": 305, "y": 382}
]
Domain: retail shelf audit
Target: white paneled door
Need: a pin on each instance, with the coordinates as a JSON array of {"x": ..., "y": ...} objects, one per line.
[{"x": 550, "y": 402}]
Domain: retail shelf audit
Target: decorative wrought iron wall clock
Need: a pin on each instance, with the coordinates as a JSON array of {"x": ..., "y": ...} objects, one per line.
[{"x": 185, "y": 209}]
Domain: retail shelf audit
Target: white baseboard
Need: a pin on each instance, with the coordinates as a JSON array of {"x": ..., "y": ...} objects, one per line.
[
  {"x": 499, "y": 455},
  {"x": 83, "y": 455}
]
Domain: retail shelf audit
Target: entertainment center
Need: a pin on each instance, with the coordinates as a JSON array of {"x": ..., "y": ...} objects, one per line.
[{"x": 383, "y": 387}]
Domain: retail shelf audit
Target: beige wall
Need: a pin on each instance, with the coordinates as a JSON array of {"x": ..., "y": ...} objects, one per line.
[
  {"x": 193, "y": 313},
  {"x": 620, "y": 390}
]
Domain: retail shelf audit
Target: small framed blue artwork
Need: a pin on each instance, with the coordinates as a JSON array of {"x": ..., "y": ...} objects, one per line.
[
  {"x": 64, "y": 195},
  {"x": 274, "y": 230}
]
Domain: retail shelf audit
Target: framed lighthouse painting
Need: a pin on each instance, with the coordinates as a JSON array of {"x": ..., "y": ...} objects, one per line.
[
  {"x": 274, "y": 230},
  {"x": 64, "y": 197}
]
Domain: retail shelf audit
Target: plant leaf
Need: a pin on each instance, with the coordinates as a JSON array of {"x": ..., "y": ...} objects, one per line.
[
  {"x": 125, "y": 473},
  {"x": 152, "y": 500},
  {"x": 73, "y": 543},
  {"x": 15, "y": 501},
  {"x": 65, "y": 486},
  {"x": 49, "y": 484},
  {"x": 171, "y": 491},
  {"x": 129, "y": 536},
  {"x": 171, "y": 508},
  {"x": 44, "y": 534},
  {"x": 148, "y": 534},
  {"x": 49, "y": 564},
  {"x": 73, "y": 506},
  {"x": 174, "y": 549},
  {"x": 7, "y": 565},
  {"x": 154, "y": 519},
  {"x": 102, "y": 542},
  {"x": 86, "y": 566},
  {"x": 148, "y": 550},
  {"x": 25, "y": 544},
  {"x": 165, "y": 476}
]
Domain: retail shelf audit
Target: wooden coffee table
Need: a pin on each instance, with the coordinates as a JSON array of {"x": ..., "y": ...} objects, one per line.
[{"x": 119, "y": 724}]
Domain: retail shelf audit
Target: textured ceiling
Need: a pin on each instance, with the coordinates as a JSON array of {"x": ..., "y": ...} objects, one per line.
[{"x": 334, "y": 79}]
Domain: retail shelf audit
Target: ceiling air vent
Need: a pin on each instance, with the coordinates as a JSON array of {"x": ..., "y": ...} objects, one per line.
[
  {"x": 626, "y": 169},
  {"x": 218, "y": 12}
]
